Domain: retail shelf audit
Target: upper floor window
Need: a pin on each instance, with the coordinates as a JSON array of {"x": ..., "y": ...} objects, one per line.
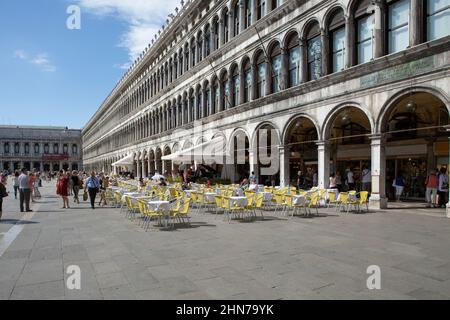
[
  {"x": 193, "y": 49},
  {"x": 314, "y": 47},
  {"x": 261, "y": 66},
  {"x": 438, "y": 18},
  {"x": 74, "y": 149},
  {"x": 365, "y": 33},
  {"x": 26, "y": 148},
  {"x": 208, "y": 100},
  {"x": 237, "y": 18},
  {"x": 199, "y": 47},
  {"x": 207, "y": 41},
  {"x": 398, "y": 25},
  {"x": 36, "y": 148},
  {"x": 46, "y": 148},
  {"x": 6, "y": 147},
  {"x": 56, "y": 148},
  {"x": 247, "y": 81},
  {"x": 236, "y": 87},
  {"x": 216, "y": 33},
  {"x": 337, "y": 39},
  {"x": 65, "y": 149},
  {"x": 294, "y": 60},
  {"x": 276, "y": 69},
  {"x": 226, "y": 92},
  {"x": 248, "y": 13},
  {"x": 226, "y": 27},
  {"x": 16, "y": 147},
  {"x": 216, "y": 88},
  {"x": 260, "y": 8},
  {"x": 275, "y": 4},
  {"x": 199, "y": 103}
]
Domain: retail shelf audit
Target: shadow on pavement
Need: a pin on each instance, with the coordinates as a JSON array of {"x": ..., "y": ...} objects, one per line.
[{"x": 16, "y": 221}]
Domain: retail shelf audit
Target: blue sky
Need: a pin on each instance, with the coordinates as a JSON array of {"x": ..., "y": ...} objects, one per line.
[{"x": 50, "y": 75}]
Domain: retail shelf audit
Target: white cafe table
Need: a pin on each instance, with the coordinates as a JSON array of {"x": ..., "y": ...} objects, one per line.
[
  {"x": 238, "y": 201},
  {"x": 161, "y": 206}
]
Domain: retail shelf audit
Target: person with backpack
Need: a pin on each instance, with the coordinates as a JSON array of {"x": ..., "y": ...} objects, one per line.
[{"x": 443, "y": 187}]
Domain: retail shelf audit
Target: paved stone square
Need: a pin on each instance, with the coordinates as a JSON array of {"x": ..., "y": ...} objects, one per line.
[{"x": 323, "y": 257}]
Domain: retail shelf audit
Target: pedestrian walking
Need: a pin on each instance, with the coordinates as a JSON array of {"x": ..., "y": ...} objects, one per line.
[
  {"x": 31, "y": 179},
  {"x": 16, "y": 183},
  {"x": 350, "y": 180},
  {"x": 76, "y": 184},
  {"x": 338, "y": 181},
  {"x": 431, "y": 184},
  {"x": 92, "y": 185},
  {"x": 3, "y": 192},
  {"x": 36, "y": 185},
  {"x": 24, "y": 191},
  {"x": 443, "y": 187},
  {"x": 399, "y": 184},
  {"x": 62, "y": 188}
]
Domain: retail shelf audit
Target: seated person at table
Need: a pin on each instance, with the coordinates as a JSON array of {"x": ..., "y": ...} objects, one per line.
[
  {"x": 141, "y": 183},
  {"x": 244, "y": 184},
  {"x": 208, "y": 183},
  {"x": 253, "y": 185},
  {"x": 162, "y": 182}
]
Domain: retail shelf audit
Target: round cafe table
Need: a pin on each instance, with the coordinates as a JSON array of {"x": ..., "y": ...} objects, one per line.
[
  {"x": 238, "y": 201},
  {"x": 160, "y": 206}
]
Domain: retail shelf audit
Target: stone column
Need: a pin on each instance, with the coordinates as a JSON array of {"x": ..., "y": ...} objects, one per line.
[
  {"x": 325, "y": 39},
  {"x": 143, "y": 168},
  {"x": 303, "y": 61},
  {"x": 252, "y": 160},
  {"x": 379, "y": 30},
  {"x": 284, "y": 166},
  {"x": 323, "y": 166},
  {"x": 284, "y": 80},
  {"x": 416, "y": 23},
  {"x": 349, "y": 41},
  {"x": 138, "y": 168},
  {"x": 378, "y": 198},
  {"x": 149, "y": 164}
]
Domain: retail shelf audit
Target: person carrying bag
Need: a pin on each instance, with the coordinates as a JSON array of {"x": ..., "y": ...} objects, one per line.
[{"x": 92, "y": 186}]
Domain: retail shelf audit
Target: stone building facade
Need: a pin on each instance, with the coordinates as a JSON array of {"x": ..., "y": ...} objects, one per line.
[
  {"x": 338, "y": 84},
  {"x": 41, "y": 148}
]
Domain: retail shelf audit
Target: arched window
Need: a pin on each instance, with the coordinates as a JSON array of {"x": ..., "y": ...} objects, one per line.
[
  {"x": 216, "y": 33},
  {"x": 16, "y": 147},
  {"x": 55, "y": 148},
  {"x": 261, "y": 66},
  {"x": 398, "y": 25},
  {"x": 365, "y": 33},
  {"x": 275, "y": 58},
  {"x": 438, "y": 19},
  {"x": 226, "y": 26},
  {"x": 27, "y": 148},
  {"x": 248, "y": 13},
  {"x": 294, "y": 60},
  {"x": 260, "y": 8},
  {"x": 65, "y": 148},
  {"x": 236, "y": 87},
  {"x": 226, "y": 91},
  {"x": 216, "y": 91},
  {"x": 186, "y": 57},
  {"x": 275, "y": 4},
  {"x": 314, "y": 46},
  {"x": 193, "y": 60},
  {"x": 180, "y": 63},
  {"x": 207, "y": 40},
  {"x": 207, "y": 106},
  {"x": 36, "y": 148},
  {"x": 236, "y": 18},
  {"x": 247, "y": 81},
  {"x": 199, "y": 47},
  {"x": 192, "y": 104},
  {"x": 199, "y": 103},
  {"x": 175, "y": 67},
  {"x": 336, "y": 28}
]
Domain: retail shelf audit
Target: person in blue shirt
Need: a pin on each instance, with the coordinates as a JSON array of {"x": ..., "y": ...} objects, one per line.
[
  {"x": 399, "y": 184},
  {"x": 92, "y": 185}
]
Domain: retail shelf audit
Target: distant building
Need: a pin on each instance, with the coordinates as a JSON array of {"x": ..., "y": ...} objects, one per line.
[{"x": 40, "y": 148}]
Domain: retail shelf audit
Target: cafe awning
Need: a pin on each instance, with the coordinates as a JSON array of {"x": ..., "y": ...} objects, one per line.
[
  {"x": 127, "y": 161},
  {"x": 207, "y": 152}
]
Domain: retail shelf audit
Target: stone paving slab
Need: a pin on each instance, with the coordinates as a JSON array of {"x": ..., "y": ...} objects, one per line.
[{"x": 323, "y": 257}]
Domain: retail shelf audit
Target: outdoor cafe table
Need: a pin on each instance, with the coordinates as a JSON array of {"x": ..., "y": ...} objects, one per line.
[
  {"x": 296, "y": 199},
  {"x": 189, "y": 192},
  {"x": 161, "y": 206},
  {"x": 209, "y": 197},
  {"x": 267, "y": 196},
  {"x": 238, "y": 201},
  {"x": 130, "y": 194}
]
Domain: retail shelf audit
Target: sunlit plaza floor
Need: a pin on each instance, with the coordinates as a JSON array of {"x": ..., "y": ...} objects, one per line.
[{"x": 324, "y": 257}]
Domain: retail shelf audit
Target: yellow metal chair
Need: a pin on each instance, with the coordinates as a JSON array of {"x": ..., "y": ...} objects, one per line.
[{"x": 314, "y": 203}]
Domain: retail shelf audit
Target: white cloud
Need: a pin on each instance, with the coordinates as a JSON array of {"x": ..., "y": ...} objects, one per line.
[
  {"x": 143, "y": 17},
  {"x": 41, "y": 60}
]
